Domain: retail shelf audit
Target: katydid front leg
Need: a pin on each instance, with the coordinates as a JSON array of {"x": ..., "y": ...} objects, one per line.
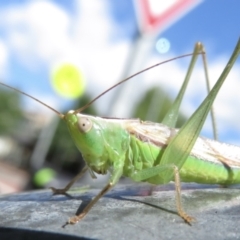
[
  {"x": 117, "y": 173},
  {"x": 69, "y": 185},
  {"x": 79, "y": 217}
]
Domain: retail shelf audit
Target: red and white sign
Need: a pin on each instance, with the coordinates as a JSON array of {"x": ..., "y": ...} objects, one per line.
[{"x": 156, "y": 15}]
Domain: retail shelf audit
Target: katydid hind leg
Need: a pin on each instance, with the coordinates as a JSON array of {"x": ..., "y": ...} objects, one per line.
[
  {"x": 212, "y": 113},
  {"x": 181, "y": 145},
  {"x": 171, "y": 116}
]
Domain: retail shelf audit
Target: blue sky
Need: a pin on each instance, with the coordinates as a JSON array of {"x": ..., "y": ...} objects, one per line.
[
  {"x": 211, "y": 21},
  {"x": 97, "y": 36}
]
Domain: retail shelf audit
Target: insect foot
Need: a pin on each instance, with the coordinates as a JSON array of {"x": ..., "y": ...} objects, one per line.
[
  {"x": 188, "y": 219},
  {"x": 76, "y": 219},
  {"x": 58, "y": 190}
]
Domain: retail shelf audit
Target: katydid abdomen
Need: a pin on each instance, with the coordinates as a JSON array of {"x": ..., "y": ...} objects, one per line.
[{"x": 212, "y": 162}]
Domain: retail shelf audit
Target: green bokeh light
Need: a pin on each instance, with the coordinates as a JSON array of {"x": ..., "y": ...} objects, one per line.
[{"x": 68, "y": 81}]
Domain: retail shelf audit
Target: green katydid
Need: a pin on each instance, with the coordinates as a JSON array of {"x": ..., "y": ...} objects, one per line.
[{"x": 152, "y": 152}]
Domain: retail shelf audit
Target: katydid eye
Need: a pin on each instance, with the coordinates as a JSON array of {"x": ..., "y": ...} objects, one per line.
[{"x": 84, "y": 124}]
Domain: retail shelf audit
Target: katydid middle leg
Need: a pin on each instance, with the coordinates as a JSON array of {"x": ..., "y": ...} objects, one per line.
[
  {"x": 69, "y": 185},
  {"x": 168, "y": 171}
]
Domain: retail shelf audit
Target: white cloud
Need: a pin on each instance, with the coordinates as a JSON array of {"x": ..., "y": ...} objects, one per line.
[
  {"x": 37, "y": 31},
  {"x": 3, "y": 59},
  {"x": 40, "y": 32}
]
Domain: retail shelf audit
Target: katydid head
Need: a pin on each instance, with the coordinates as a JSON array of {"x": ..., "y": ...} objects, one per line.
[{"x": 97, "y": 139}]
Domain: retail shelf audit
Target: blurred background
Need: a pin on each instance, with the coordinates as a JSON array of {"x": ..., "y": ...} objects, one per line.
[{"x": 65, "y": 53}]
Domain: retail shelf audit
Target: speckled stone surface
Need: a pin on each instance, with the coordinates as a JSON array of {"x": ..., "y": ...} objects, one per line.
[{"x": 127, "y": 212}]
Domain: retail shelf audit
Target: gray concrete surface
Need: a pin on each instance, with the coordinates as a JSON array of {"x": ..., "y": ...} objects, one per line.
[{"x": 127, "y": 212}]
